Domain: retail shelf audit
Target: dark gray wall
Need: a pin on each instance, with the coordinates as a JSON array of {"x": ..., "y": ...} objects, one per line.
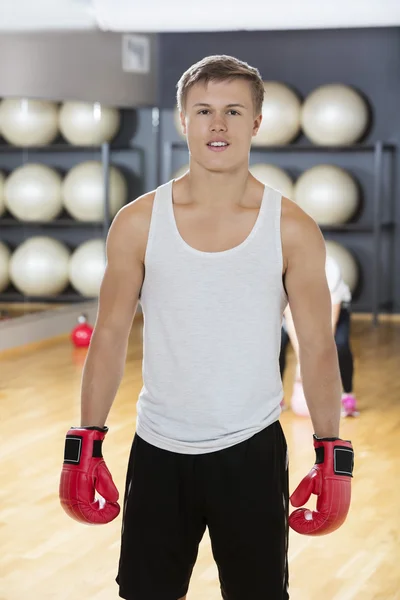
[
  {"x": 368, "y": 59},
  {"x": 85, "y": 66}
]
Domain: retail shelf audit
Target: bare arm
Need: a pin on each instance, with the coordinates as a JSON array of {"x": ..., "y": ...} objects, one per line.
[
  {"x": 118, "y": 300},
  {"x": 310, "y": 303},
  {"x": 292, "y": 331}
]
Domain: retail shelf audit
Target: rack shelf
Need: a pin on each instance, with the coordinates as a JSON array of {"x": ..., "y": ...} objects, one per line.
[
  {"x": 356, "y": 227},
  {"x": 306, "y": 147},
  {"x": 65, "y": 297},
  {"x": 64, "y": 221},
  {"x": 61, "y": 147},
  {"x": 60, "y": 222}
]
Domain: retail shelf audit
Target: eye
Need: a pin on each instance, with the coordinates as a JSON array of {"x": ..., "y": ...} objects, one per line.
[
  {"x": 204, "y": 111},
  {"x": 234, "y": 112}
]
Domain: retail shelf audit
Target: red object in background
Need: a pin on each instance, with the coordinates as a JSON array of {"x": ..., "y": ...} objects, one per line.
[{"x": 82, "y": 333}]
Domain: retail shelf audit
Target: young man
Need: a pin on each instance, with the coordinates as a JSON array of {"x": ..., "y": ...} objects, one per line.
[
  {"x": 341, "y": 320},
  {"x": 213, "y": 258}
]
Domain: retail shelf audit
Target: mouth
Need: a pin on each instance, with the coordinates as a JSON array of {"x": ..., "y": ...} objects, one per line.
[{"x": 218, "y": 146}]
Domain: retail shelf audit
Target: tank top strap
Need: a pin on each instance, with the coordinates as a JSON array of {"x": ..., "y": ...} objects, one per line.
[
  {"x": 270, "y": 220},
  {"x": 160, "y": 215}
]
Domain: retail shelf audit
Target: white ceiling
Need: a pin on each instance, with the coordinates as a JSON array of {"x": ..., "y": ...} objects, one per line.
[
  {"x": 195, "y": 15},
  {"x": 230, "y": 15},
  {"x": 34, "y": 15}
]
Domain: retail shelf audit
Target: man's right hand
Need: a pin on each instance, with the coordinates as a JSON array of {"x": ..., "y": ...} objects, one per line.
[{"x": 84, "y": 472}]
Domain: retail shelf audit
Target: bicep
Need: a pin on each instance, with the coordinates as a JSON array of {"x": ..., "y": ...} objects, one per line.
[
  {"x": 122, "y": 280},
  {"x": 307, "y": 287}
]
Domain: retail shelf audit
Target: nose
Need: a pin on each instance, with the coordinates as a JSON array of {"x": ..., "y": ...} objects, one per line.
[{"x": 218, "y": 123}]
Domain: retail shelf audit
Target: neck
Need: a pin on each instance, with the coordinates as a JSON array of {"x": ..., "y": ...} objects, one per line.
[{"x": 217, "y": 189}]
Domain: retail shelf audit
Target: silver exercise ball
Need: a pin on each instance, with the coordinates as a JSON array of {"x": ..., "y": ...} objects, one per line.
[
  {"x": 25, "y": 122},
  {"x": 273, "y": 177},
  {"x": 329, "y": 194},
  {"x": 334, "y": 114},
  {"x": 33, "y": 193},
  {"x": 83, "y": 191},
  {"x": 39, "y": 266},
  {"x": 346, "y": 261},
  {"x": 5, "y": 256},
  {"x": 88, "y": 124},
  {"x": 87, "y": 266},
  {"x": 281, "y": 115},
  {"x": 2, "y": 198}
]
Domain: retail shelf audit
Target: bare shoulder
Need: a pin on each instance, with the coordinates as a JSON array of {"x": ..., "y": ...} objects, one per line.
[
  {"x": 137, "y": 213},
  {"x": 300, "y": 234},
  {"x": 130, "y": 227}
]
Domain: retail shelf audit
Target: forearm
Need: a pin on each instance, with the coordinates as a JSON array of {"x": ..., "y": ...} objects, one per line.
[
  {"x": 322, "y": 388},
  {"x": 102, "y": 375}
]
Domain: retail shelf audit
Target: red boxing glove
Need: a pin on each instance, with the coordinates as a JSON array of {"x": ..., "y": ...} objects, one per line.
[
  {"x": 83, "y": 472},
  {"x": 330, "y": 480}
]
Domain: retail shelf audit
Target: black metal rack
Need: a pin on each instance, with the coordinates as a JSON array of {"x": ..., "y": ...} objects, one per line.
[
  {"x": 378, "y": 225},
  {"x": 64, "y": 221},
  {"x": 69, "y": 295}
]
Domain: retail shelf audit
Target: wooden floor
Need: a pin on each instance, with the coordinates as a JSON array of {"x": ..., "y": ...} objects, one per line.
[{"x": 44, "y": 555}]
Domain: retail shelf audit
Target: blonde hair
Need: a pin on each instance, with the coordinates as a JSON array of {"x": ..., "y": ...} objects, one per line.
[{"x": 221, "y": 68}]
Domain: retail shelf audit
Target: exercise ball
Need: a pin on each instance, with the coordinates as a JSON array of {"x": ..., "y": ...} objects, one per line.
[
  {"x": 181, "y": 171},
  {"x": 329, "y": 194},
  {"x": 88, "y": 124},
  {"x": 33, "y": 193},
  {"x": 178, "y": 124},
  {"x": 334, "y": 114},
  {"x": 83, "y": 191},
  {"x": 39, "y": 266},
  {"x": 25, "y": 122},
  {"x": 5, "y": 255},
  {"x": 2, "y": 199},
  {"x": 86, "y": 267},
  {"x": 298, "y": 401},
  {"x": 273, "y": 177},
  {"x": 346, "y": 261},
  {"x": 281, "y": 115}
]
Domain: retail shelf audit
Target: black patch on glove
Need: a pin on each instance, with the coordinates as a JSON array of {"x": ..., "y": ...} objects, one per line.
[
  {"x": 97, "y": 453},
  {"x": 343, "y": 461},
  {"x": 73, "y": 450}
]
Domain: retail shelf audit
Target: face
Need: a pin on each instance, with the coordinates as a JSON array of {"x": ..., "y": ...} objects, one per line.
[{"x": 219, "y": 124}]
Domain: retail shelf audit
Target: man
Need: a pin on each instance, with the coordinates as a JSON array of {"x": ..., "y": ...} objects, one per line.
[
  {"x": 214, "y": 258},
  {"x": 341, "y": 320}
]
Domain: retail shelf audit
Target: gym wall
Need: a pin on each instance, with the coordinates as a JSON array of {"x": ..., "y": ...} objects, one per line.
[
  {"x": 88, "y": 66},
  {"x": 84, "y": 66}
]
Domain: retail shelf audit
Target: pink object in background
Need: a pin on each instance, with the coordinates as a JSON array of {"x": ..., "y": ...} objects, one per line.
[{"x": 298, "y": 400}]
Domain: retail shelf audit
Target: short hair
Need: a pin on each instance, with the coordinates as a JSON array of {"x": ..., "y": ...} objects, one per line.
[{"x": 221, "y": 68}]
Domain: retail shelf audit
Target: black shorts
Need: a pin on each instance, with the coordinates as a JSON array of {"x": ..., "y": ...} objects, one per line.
[{"x": 240, "y": 494}]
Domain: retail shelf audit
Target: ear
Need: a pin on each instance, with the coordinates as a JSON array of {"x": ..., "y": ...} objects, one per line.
[
  {"x": 257, "y": 124},
  {"x": 183, "y": 122}
]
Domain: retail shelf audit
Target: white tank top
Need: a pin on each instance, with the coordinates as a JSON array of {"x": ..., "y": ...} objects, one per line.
[{"x": 212, "y": 334}]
